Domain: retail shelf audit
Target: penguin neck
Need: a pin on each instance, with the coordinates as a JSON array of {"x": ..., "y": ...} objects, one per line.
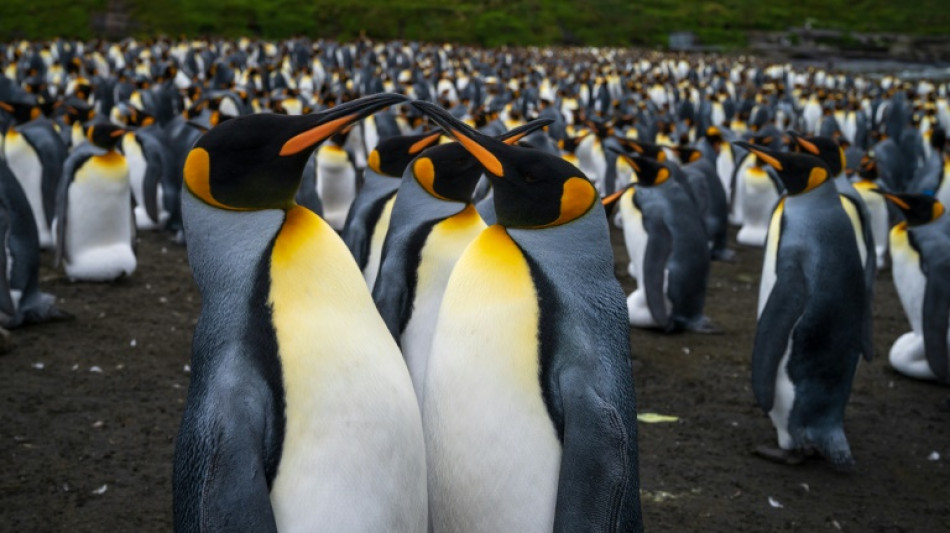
[{"x": 226, "y": 248}]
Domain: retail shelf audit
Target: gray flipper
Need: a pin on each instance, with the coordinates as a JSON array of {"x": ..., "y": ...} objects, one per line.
[
  {"x": 150, "y": 184},
  {"x": 73, "y": 162},
  {"x": 6, "y": 301},
  {"x": 785, "y": 306},
  {"x": 870, "y": 272},
  {"x": 601, "y": 441},
  {"x": 220, "y": 481},
  {"x": 936, "y": 317},
  {"x": 659, "y": 248}
]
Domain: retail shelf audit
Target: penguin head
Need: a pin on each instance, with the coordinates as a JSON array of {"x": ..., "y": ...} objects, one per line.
[
  {"x": 918, "y": 209},
  {"x": 77, "y": 110},
  {"x": 256, "y": 161},
  {"x": 799, "y": 173},
  {"x": 650, "y": 172},
  {"x": 825, "y": 148},
  {"x": 533, "y": 189},
  {"x": 643, "y": 149},
  {"x": 105, "y": 135},
  {"x": 687, "y": 154},
  {"x": 569, "y": 144},
  {"x": 391, "y": 156},
  {"x": 22, "y": 111}
]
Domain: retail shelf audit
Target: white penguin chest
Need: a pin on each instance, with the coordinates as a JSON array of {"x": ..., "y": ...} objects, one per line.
[
  {"x": 135, "y": 158},
  {"x": 99, "y": 208},
  {"x": 353, "y": 456},
  {"x": 336, "y": 184},
  {"x": 909, "y": 279},
  {"x": 442, "y": 249},
  {"x": 25, "y": 164},
  {"x": 634, "y": 235},
  {"x": 378, "y": 237},
  {"x": 494, "y": 456},
  {"x": 771, "y": 257}
]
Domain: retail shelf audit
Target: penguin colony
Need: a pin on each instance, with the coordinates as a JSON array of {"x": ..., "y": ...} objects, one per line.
[{"x": 410, "y": 319}]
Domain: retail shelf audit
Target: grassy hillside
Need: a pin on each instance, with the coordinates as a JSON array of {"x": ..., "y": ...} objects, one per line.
[{"x": 491, "y": 23}]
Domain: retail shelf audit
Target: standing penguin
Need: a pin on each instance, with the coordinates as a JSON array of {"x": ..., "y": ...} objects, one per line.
[
  {"x": 95, "y": 226},
  {"x": 529, "y": 407},
  {"x": 920, "y": 256},
  {"x": 814, "y": 312},
  {"x": 368, "y": 219},
  {"x": 35, "y": 154},
  {"x": 21, "y": 301},
  {"x": 294, "y": 419},
  {"x": 433, "y": 221},
  {"x": 336, "y": 180},
  {"x": 669, "y": 253}
]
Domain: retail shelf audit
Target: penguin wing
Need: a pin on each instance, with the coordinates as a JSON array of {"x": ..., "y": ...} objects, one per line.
[
  {"x": 773, "y": 332},
  {"x": 152, "y": 180},
  {"x": 936, "y": 318},
  {"x": 220, "y": 478},
  {"x": 52, "y": 152},
  {"x": 73, "y": 163},
  {"x": 658, "y": 250},
  {"x": 6, "y": 301},
  {"x": 870, "y": 273}
]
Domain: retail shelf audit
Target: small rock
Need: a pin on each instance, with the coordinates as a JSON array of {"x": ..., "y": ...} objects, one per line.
[
  {"x": 133, "y": 343},
  {"x": 934, "y": 456},
  {"x": 65, "y": 487},
  {"x": 75, "y": 367},
  {"x": 836, "y": 524},
  {"x": 187, "y": 369},
  {"x": 119, "y": 366},
  {"x": 775, "y": 503},
  {"x": 686, "y": 350},
  {"x": 98, "y": 424},
  {"x": 806, "y": 487},
  {"x": 39, "y": 366},
  {"x": 95, "y": 369},
  {"x": 101, "y": 490}
]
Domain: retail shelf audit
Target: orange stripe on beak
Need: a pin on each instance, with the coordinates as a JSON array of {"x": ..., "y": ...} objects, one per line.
[
  {"x": 311, "y": 137},
  {"x": 807, "y": 145},
  {"x": 421, "y": 144},
  {"x": 767, "y": 158},
  {"x": 486, "y": 158},
  {"x": 897, "y": 201}
]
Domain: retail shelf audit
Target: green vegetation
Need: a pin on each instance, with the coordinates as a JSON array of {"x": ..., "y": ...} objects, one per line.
[{"x": 491, "y": 23}]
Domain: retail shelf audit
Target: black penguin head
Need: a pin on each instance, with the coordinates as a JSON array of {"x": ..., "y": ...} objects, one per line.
[
  {"x": 391, "y": 156},
  {"x": 77, "y": 110},
  {"x": 533, "y": 189},
  {"x": 643, "y": 149},
  {"x": 687, "y": 154},
  {"x": 799, "y": 173},
  {"x": 650, "y": 172},
  {"x": 825, "y": 148},
  {"x": 256, "y": 161},
  {"x": 918, "y": 209},
  {"x": 867, "y": 168},
  {"x": 105, "y": 135},
  {"x": 23, "y": 110},
  {"x": 569, "y": 144}
]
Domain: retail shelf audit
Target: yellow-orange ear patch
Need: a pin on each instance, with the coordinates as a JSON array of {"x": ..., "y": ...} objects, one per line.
[
  {"x": 662, "y": 175},
  {"x": 816, "y": 177},
  {"x": 938, "y": 210},
  {"x": 373, "y": 161},
  {"x": 197, "y": 173},
  {"x": 577, "y": 197},
  {"x": 424, "y": 171}
]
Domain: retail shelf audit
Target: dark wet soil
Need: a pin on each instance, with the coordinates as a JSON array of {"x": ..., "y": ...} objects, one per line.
[{"x": 89, "y": 410}]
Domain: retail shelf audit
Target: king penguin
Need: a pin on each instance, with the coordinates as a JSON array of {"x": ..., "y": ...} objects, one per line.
[
  {"x": 529, "y": 407},
  {"x": 368, "y": 219},
  {"x": 21, "y": 301},
  {"x": 295, "y": 419},
  {"x": 95, "y": 227},
  {"x": 35, "y": 154},
  {"x": 814, "y": 312},
  {"x": 920, "y": 257},
  {"x": 336, "y": 180},
  {"x": 433, "y": 221}
]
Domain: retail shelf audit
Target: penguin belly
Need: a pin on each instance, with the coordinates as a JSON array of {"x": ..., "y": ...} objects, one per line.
[
  {"x": 442, "y": 249},
  {"x": 725, "y": 168},
  {"x": 907, "y": 354},
  {"x": 353, "y": 457},
  {"x": 99, "y": 221},
  {"x": 877, "y": 211},
  {"x": 336, "y": 185},
  {"x": 25, "y": 164},
  {"x": 137, "y": 167},
  {"x": 758, "y": 199},
  {"x": 371, "y": 270},
  {"x": 635, "y": 238},
  {"x": 494, "y": 455}
]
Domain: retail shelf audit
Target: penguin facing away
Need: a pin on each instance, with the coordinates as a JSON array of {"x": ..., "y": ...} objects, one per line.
[
  {"x": 813, "y": 304},
  {"x": 529, "y": 409},
  {"x": 920, "y": 256},
  {"x": 368, "y": 218},
  {"x": 95, "y": 226},
  {"x": 276, "y": 430}
]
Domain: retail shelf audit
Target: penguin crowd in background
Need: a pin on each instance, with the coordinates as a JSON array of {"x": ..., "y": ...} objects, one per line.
[{"x": 457, "y": 204}]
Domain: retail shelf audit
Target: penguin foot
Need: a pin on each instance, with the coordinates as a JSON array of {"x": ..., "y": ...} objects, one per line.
[
  {"x": 705, "y": 327},
  {"x": 780, "y": 456}
]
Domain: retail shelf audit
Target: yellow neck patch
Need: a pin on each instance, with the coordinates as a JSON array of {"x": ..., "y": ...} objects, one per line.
[
  {"x": 577, "y": 197},
  {"x": 424, "y": 171}
]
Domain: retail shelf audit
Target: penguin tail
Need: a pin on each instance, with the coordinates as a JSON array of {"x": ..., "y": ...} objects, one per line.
[{"x": 833, "y": 446}]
